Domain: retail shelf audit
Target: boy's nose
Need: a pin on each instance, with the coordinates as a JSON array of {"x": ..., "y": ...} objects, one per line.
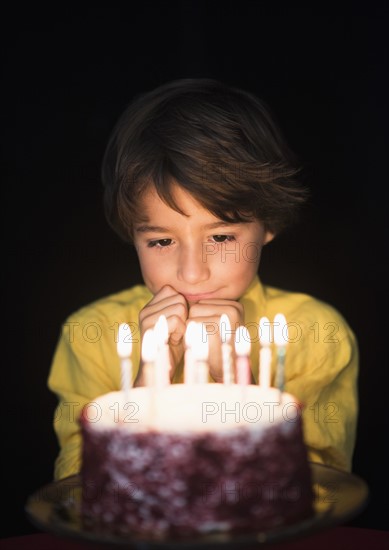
[{"x": 192, "y": 266}]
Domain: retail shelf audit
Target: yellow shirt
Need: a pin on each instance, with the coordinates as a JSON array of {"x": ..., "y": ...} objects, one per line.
[{"x": 321, "y": 366}]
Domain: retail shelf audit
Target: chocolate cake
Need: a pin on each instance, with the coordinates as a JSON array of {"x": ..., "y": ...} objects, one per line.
[{"x": 188, "y": 460}]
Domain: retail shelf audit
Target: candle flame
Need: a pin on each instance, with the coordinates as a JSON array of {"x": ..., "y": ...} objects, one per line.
[
  {"x": 161, "y": 331},
  {"x": 280, "y": 330},
  {"x": 242, "y": 341},
  {"x": 264, "y": 331},
  {"x": 124, "y": 344},
  {"x": 149, "y": 346},
  {"x": 225, "y": 328}
]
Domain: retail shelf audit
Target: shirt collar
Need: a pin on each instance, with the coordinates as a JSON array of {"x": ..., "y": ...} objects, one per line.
[{"x": 254, "y": 301}]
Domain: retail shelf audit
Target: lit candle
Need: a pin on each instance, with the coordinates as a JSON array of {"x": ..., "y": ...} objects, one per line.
[
  {"x": 162, "y": 363},
  {"x": 149, "y": 356},
  {"x": 280, "y": 340},
  {"x": 200, "y": 354},
  {"x": 265, "y": 353},
  {"x": 242, "y": 349},
  {"x": 124, "y": 350},
  {"x": 189, "y": 367},
  {"x": 225, "y": 335}
]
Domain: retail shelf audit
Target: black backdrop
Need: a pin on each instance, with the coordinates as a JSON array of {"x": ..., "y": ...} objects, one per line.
[{"x": 70, "y": 72}]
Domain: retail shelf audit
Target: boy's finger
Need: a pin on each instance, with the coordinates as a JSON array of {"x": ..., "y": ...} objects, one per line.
[
  {"x": 164, "y": 306},
  {"x": 234, "y": 310},
  {"x": 163, "y": 293},
  {"x": 176, "y": 315}
]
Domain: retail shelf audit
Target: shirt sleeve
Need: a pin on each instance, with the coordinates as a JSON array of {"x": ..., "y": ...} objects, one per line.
[
  {"x": 84, "y": 366},
  {"x": 324, "y": 378}
]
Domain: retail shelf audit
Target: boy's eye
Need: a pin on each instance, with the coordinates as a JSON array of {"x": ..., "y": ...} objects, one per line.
[
  {"x": 222, "y": 238},
  {"x": 160, "y": 243}
]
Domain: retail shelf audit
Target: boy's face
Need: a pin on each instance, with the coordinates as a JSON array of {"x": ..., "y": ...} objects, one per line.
[{"x": 199, "y": 255}]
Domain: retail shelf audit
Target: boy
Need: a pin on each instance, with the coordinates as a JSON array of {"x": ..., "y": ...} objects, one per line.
[{"x": 198, "y": 177}]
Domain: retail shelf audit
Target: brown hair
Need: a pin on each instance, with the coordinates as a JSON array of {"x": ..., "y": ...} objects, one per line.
[{"x": 217, "y": 142}]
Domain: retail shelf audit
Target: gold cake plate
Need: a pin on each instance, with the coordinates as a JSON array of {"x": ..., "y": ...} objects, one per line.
[{"x": 339, "y": 497}]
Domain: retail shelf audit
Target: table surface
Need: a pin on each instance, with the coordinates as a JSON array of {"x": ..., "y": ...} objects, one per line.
[{"x": 338, "y": 538}]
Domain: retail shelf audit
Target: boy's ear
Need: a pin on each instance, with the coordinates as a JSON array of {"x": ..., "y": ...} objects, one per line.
[{"x": 269, "y": 236}]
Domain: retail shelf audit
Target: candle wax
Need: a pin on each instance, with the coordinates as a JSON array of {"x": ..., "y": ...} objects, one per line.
[
  {"x": 265, "y": 367},
  {"x": 189, "y": 369},
  {"x": 243, "y": 370},
  {"x": 162, "y": 366},
  {"x": 126, "y": 372},
  {"x": 228, "y": 375},
  {"x": 280, "y": 373}
]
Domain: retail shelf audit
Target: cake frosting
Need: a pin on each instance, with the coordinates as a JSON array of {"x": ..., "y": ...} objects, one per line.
[{"x": 187, "y": 459}]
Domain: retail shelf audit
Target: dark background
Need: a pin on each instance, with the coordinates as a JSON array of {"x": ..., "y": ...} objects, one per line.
[{"x": 68, "y": 74}]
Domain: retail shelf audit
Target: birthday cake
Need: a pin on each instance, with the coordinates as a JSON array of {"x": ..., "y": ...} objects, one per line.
[{"x": 185, "y": 460}]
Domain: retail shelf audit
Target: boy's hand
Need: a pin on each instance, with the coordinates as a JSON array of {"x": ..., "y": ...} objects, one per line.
[
  {"x": 174, "y": 306},
  {"x": 209, "y": 312}
]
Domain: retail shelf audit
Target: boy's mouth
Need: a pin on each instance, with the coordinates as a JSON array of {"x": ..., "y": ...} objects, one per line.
[{"x": 199, "y": 296}]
